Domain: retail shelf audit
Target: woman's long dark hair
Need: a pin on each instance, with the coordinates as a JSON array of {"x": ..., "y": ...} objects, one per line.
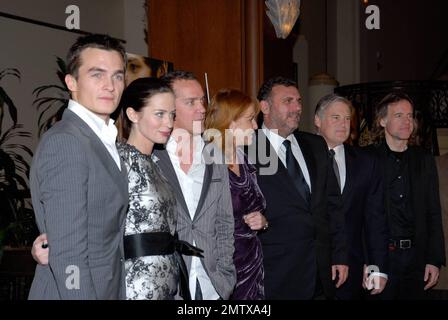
[{"x": 136, "y": 96}]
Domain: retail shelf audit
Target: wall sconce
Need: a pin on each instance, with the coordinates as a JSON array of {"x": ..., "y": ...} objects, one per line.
[{"x": 283, "y": 15}]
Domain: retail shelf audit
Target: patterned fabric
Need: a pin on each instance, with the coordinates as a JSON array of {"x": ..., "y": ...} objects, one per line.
[
  {"x": 151, "y": 209},
  {"x": 248, "y": 256}
]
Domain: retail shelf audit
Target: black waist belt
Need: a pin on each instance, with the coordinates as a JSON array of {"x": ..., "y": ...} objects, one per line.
[
  {"x": 401, "y": 244},
  {"x": 162, "y": 243}
]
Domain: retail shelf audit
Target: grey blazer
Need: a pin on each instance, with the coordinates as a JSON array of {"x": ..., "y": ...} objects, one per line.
[
  {"x": 80, "y": 199},
  {"x": 212, "y": 227}
]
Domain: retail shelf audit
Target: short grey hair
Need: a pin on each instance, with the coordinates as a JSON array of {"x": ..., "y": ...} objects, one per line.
[{"x": 328, "y": 100}]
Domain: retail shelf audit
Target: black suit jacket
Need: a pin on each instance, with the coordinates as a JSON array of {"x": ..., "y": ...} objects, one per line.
[
  {"x": 365, "y": 219},
  {"x": 300, "y": 243},
  {"x": 425, "y": 203}
]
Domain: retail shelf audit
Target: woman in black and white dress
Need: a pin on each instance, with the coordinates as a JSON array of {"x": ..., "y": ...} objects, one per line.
[{"x": 148, "y": 112}]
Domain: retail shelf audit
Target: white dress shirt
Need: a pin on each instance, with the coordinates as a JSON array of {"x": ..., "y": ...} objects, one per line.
[
  {"x": 339, "y": 156},
  {"x": 191, "y": 184},
  {"x": 277, "y": 143},
  {"x": 106, "y": 132}
]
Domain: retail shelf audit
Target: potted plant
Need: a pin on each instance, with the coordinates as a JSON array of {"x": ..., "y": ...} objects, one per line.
[
  {"x": 52, "y": 99},
  {"x": 17, "y": 225}
]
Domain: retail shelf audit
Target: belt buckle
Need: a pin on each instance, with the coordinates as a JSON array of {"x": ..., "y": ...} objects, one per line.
[
  {"x": 405, "y": 244},
  {"x": 392, "y": 246}
]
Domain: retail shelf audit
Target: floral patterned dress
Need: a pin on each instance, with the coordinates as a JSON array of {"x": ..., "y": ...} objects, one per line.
[{"x": 152, "y": 208}]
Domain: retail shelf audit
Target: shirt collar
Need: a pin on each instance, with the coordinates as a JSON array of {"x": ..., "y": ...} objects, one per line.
[
  {"x": 394, "y": 154},
  {"x": 338, "y": 150},
  {"x": 107, "y": 132},
  {"x": 275, "y": 139}
]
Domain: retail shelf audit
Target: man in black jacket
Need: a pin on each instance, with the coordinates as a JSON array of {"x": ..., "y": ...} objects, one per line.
[
  {"x": 416, "y": 245},
  {"x": 304, "y": 247},
  {"x": 362, "y": 198}
]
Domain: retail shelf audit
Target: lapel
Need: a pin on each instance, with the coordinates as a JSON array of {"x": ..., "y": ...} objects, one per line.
[
  {"x": 265, "y": 153},
  {"x": 309, "y": 159},
  {"x": 268, "y": 153},
  {"x": 349, "y": 168},
  {"x": 415, "y": 177},
  {"x": 118, "y": 176},
  {"x": 205, "y": 189},
  {"x": 266, "y": 156},
  {"x": 167, "y": 168},
  {"x": 124, "y": 174},
  {"x": 381, "y": 152}
]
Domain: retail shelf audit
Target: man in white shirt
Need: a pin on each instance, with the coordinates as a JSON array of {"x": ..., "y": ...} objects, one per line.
[
  {"x": 359, "y": 179},
  {"x": 78, "y": 185},
  {"x": 205, "y": 215},
  {"x": 304, "y": 247}
]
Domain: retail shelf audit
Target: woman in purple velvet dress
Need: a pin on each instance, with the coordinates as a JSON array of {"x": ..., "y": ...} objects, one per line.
[{"x": 232, "y": 116}]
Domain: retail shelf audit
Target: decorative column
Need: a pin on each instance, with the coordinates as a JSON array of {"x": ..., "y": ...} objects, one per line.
[{"x": 252, "y": 46}]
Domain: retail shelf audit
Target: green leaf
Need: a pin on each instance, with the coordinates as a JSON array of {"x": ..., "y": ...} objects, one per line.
[
  {"x": 10, "y": 72},
  {"x": 44, "y": 111},
  {"x": 11, "y": 107},
  {"x": 41, "y": 89},
  {"x": 61, "y": 65},
  {"x": 51, "y": 107}
]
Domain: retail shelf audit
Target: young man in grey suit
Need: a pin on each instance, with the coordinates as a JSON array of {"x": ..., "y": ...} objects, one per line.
[
  {"x": 205, "y": 215},
  {"x": 78, "y": 185}
]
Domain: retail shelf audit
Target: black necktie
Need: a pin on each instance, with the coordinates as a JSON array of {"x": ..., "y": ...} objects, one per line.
[
  {"x": 198, "y": 292},
  {"x": 295, "y": 172},
  {"x": 335, "y": 167}
]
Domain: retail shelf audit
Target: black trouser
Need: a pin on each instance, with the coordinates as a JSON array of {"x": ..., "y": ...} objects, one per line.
[
  {"x": 319, "y": 290},
  {"x": 352, "y": 288},
  {"x": 405, "y": 277}
]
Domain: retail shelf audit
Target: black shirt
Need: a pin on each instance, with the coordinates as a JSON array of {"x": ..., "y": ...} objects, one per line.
[{"x": 399, "y": 211}]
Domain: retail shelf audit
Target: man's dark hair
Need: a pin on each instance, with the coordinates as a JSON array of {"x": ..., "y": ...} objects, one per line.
[
  {"x": 178, "y": 75},
  {"x": 381, "y": 112},
  {"x": 266, "y": 88},
  {"x": 96, "y": 41},
  {"x": 391, "y": 98}
]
